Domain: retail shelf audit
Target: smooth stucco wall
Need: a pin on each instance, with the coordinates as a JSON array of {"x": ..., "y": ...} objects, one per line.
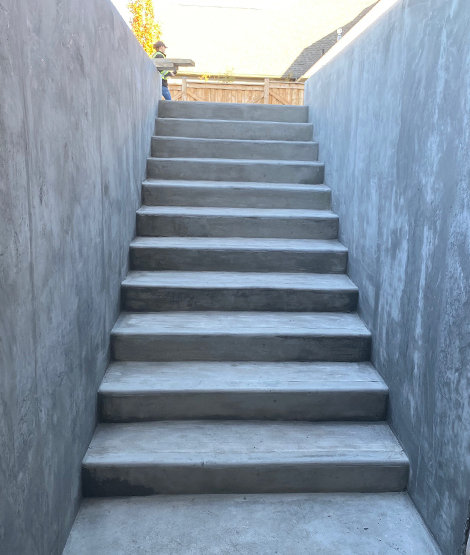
[
  {"x": 78, "y": 98},
  {"x": 391, "y": 112}
]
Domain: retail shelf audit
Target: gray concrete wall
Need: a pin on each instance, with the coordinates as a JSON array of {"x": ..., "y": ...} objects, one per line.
[
  {"x": 391, "y": 111},
  {"x": 78, "y": 98}
]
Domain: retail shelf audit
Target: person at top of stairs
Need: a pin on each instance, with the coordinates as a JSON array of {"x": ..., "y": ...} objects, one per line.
[{"x": 160, "y": 48}]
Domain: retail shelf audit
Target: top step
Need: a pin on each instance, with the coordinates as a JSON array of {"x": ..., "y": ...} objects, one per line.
[{"x": 228, "y": 111}]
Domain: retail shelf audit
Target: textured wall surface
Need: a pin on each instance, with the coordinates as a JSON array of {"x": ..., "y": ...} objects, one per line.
[
  {"x": 78, "y": 98},
  {"x": 391, "y": 109}
]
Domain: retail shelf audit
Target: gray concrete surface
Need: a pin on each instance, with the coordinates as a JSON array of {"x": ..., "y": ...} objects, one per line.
[
  {"x": 222, "y": 169},
  {"x": 233, "y": 111},
  {"x": 157, "y": 291},
  {"x": 249, "y": 195},
  {"x": 227, "y": 129},
  {"x": 135, "y": 391},
  {"x": 300, "y": 524},
  {"x": 239, "y": 454},
  {"x": 186, "y": 147},
  {"x": 226, "y": 336},
  {"x": 392, "y": 117},
  {"x": 77, "y": 107},
  {"x": 170, "y": 221},
  {"x": 203, "y": 456},
  {"x": 238, "y": 254}
]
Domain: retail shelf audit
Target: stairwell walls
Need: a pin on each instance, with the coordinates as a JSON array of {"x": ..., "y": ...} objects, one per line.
[
  {"x": 78, "y": 98},
  {"x": 391, "y": 111}
]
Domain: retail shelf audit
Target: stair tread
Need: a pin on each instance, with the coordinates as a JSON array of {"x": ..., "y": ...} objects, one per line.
[
  {"x": 237, "y": 141},
  {"x": 223, "y": 280},
  {"x": 236, "y": 128},
  {"x": 240, "y": 161},
  {"x": 235, "y": 212},
  {"x": 323, "y": 324},
  {"x": 140, "y": 378},
  {"x": 244, "y": 105},
  {"x": 219, "y": 185},
  {"x": 225, "y": 105},
  {"x": 246, "y": 243},
  {"x": 245, "y": 111},
  {"x": 243, "y": 442},
  {"x": 233, "y": 111},
  {"x": 214, "y": 122},
  {"x": 252, "y": 524}
]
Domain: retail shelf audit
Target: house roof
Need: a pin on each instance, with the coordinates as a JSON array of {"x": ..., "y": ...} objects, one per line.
[
  {"x": 312, "y": 53},
  {"x": 266, "y": 38}
]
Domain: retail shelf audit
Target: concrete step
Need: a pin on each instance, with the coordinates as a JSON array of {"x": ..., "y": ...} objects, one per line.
[
  {"x": 190, "y": 221},
  {"x": 257, "y": 524},
  {"x": 133, "y": 391},
  {"x": 233, "y": 111},
  {"x": 228, "y": 129},
  {"x": 221, "y": 169},
  {"x": 185, "y": 147},
  {"x": 233, "y": 194},
  {"x": 202, "y": 456},
  {"x": 164, "y": 291},
  {"x": 238, "y": 254},
  {"x": 242, "y": 336}
]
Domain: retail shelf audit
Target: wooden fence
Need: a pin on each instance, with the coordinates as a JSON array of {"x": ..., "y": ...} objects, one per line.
[{"x": 260, "y": 92}]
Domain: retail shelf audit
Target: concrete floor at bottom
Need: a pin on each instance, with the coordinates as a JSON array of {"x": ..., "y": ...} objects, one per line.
[{"x": 339, "y": 524}]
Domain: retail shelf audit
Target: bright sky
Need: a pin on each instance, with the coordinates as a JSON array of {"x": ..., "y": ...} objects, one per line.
[
  {"x": 244, "y": 4},
  {"x": 121, "y": 5},
  {"x": 246, "y": 37}
]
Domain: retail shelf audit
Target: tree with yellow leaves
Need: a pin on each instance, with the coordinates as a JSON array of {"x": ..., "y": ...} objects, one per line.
[{"x": 143, "y": 23}]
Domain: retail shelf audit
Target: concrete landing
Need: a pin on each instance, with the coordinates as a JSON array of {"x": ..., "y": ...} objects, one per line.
[{"x": 295, "y": 524}]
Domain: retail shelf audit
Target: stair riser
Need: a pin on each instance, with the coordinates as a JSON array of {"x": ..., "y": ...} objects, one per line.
[
  {"x": 199, "y": 259},
  {"x": 237, "y": 197},
  {"x": 239, "y": 226},
  {"x": 167, "y": 147},
  {"x": 228, "y": 171},
  {"x": 226, "y": 111},
  {"x": 267, "y": 347},
  {"x": 234, "y": 130},
  {"x": 156, "y": 299},
  {"x": 312, "y": 405},
  {"x": 103, "y": 480}
]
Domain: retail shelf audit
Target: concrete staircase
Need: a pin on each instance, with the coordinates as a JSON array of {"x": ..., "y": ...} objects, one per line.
[{"x": 240, "y": 367}]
